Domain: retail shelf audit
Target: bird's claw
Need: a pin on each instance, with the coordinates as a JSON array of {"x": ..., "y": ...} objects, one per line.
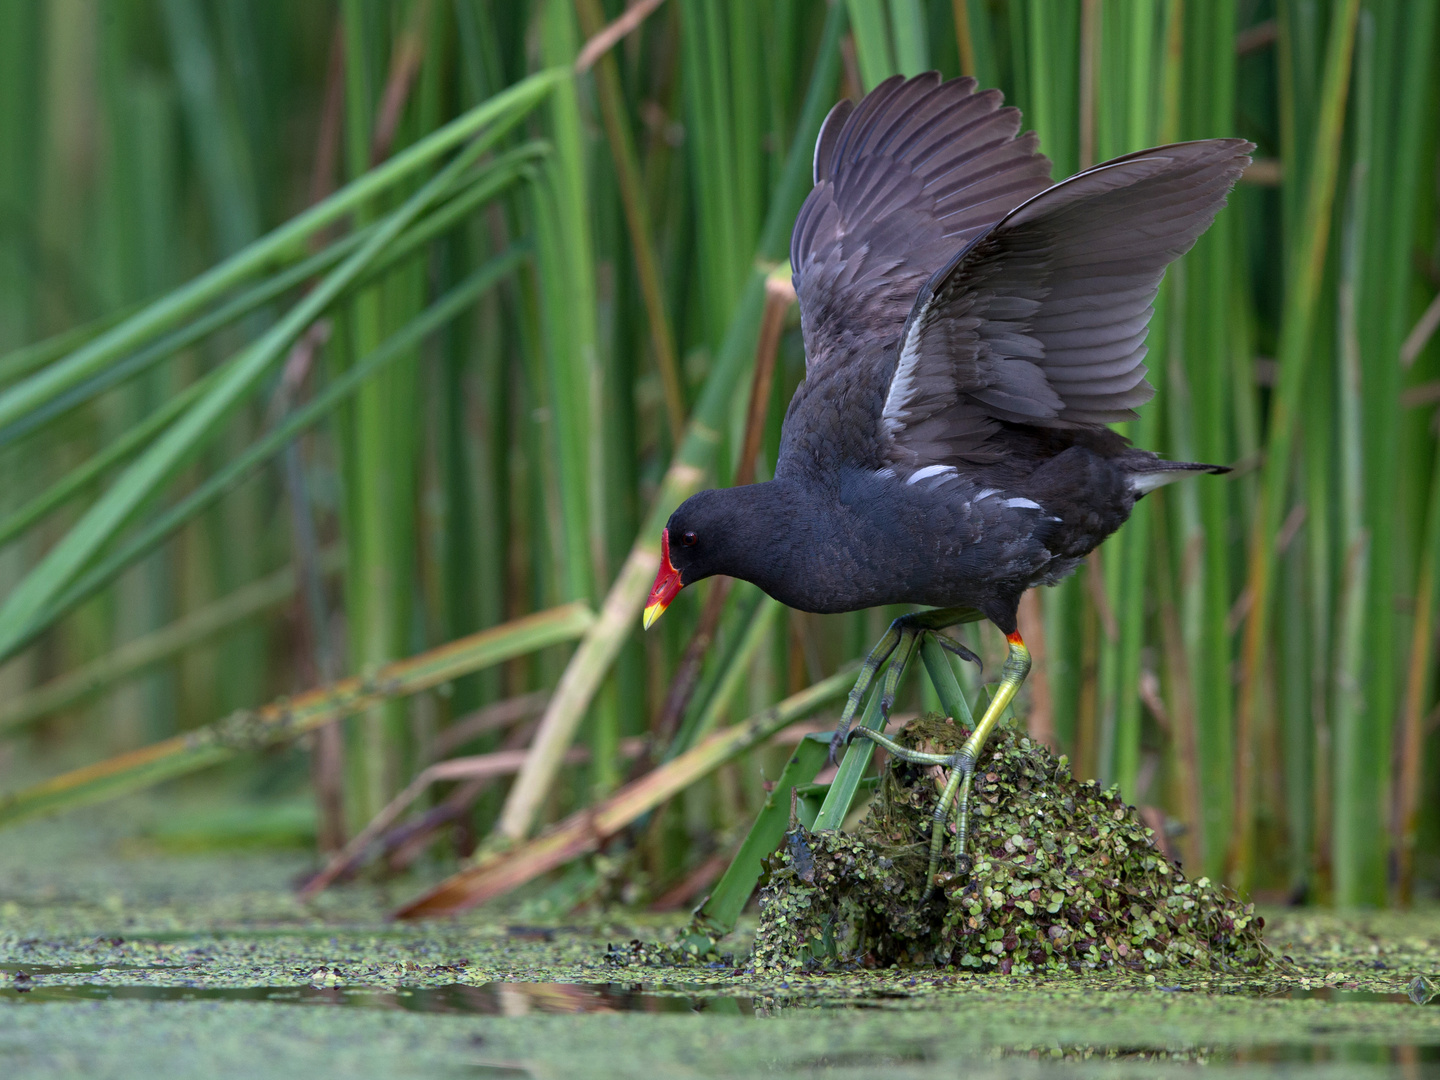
[{"x": 841, "y": 740}]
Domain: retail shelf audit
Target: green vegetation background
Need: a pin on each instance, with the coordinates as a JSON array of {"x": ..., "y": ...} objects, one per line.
[{"x": 465, "y": 389}]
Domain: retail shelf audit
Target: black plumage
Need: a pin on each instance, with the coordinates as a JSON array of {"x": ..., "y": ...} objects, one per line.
[{"x": 969, "y": 330}]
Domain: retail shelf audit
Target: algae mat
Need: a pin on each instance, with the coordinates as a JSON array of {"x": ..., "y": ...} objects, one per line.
[{"x": 118, "y": 960}]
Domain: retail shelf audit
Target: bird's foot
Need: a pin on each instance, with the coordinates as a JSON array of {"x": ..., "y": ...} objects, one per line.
[
  {"x": 910, "y": 636},
  {"x": 962, "y": 766},
  {"x": 900, "y": 641},
  {"x": 904, "y": 753},
  {"x": 950, "y": 645},
  {"x": 962, "y": 775},
  {"x": 962, "y": 771},
  {"x": 905, "y": 631}
]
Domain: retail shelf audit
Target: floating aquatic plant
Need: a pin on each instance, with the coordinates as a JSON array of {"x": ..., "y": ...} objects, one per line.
[{"x": 1062, "y": 875}]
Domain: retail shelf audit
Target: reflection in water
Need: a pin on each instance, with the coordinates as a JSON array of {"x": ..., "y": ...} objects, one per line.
[
  {"x": 489, "y": 999},
  {"x": 28, "y": 985}
]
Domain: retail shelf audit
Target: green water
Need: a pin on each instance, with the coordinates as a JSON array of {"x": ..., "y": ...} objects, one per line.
[{"x": 121, "y": 958}]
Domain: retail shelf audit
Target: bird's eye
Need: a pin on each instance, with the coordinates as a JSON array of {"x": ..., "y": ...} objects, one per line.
[{"x": 689, "y": 539}]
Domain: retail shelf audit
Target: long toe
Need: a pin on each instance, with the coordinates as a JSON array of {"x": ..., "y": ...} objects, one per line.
[{"x": 949, "y": 644}]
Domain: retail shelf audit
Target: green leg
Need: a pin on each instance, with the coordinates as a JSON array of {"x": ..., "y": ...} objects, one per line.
[
  {"x": 962, "y": 763},
  {"x": 904, "y": 653},
  {"x": 904, "y": 634},
  {"x": 878, "y": 655}
]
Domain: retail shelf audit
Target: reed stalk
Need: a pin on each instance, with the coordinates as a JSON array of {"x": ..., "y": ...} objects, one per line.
[
  {"x": 1207, "y": 508},
  {"x": 1393, "y": 108},
  {"x": 1297, "y": 328},
  {"x": 622, "y": 604},
  {"x": 485, "y": 447}
]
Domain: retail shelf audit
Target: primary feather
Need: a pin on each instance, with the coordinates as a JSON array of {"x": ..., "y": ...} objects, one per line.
[{"x": 902, "y": 182}]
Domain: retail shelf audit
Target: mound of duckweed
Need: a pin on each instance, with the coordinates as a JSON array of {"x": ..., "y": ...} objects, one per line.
[{"x": 1063, "y": 876}]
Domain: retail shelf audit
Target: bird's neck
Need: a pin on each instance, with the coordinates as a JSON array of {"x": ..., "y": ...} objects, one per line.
[{"x": 783, "y": 537}]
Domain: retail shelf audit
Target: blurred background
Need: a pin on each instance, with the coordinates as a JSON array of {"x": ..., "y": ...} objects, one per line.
[{"x": 298, "y": 380}]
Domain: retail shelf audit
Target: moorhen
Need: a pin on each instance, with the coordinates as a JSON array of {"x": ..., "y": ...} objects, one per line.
[{"x": 969, "y": 331}]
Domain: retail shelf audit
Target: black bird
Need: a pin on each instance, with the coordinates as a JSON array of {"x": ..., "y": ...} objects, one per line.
[{"x": 969, "y": 330}]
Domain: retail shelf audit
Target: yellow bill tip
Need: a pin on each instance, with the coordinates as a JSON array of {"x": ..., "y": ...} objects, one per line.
[{"x": 653, "y": 612}]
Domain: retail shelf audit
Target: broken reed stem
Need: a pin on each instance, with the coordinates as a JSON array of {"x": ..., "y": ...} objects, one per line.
[
  {"x": 586, "y": 829},
  {"x": 779, "y": 295},
  {"x": 477, "y": 767},
  {"x": 1091, "y": 21},
  {"x": 485, "y": 720},
  {"x": 602, "y": 42},
  {"x": 289, "y": 717},
  {"x": 582, "y": 678},
  {"x": 964, "y": 42},
  {"x": 405, "y": 60}
]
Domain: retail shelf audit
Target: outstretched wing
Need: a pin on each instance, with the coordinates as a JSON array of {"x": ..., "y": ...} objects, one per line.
[
  {"x": 1042, "y": 320},
  {"x": 913, "y": 173}
]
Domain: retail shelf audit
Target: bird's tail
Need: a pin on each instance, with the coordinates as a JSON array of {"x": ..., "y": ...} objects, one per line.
[{"x": 1148, "y": 475}]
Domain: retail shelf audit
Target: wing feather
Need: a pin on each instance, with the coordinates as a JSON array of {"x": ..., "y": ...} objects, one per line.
[
  {"x": 915, "y": 171},
  {"x": 1042, "y": 319}
]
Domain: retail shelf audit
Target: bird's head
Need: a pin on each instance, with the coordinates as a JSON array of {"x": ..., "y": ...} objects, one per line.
[{"x": 695, "y": 545}]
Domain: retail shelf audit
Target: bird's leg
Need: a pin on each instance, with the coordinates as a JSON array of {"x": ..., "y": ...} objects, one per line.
[
  {"x": 1017, "y": 666},
  {"x": 962, "y": 763},
  {"x": 909, "y": 638},
  {"x": 878, "y": 655},
  {"x": 937, "y": 826},
  {"x": 904, "y": 634}
]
